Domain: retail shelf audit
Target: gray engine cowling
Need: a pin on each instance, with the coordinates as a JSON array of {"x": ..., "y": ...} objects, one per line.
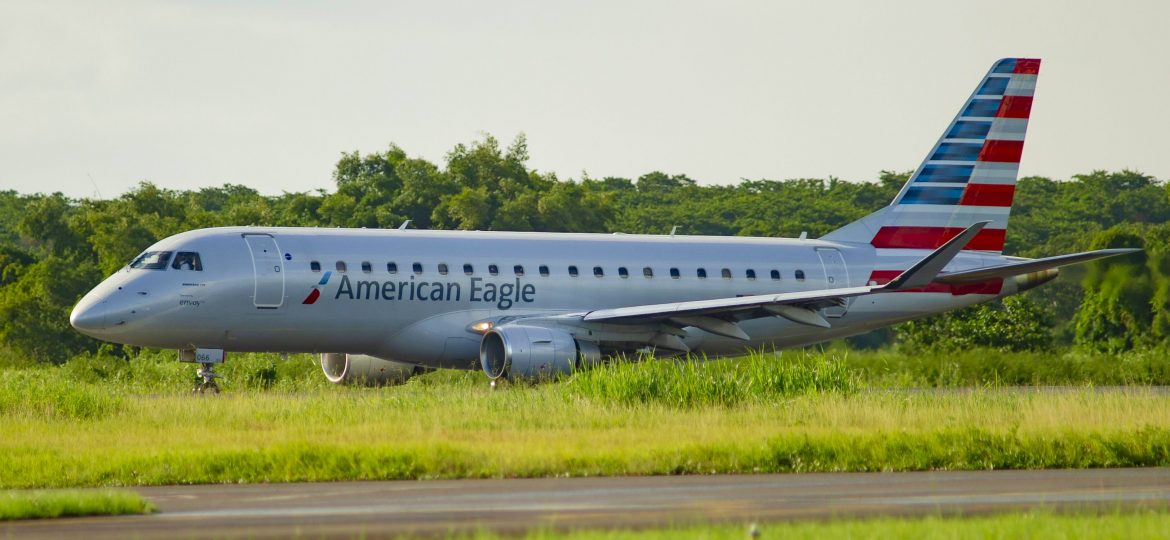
[
  {"x": 533, "y": 352},
  {"x": 342, "y": 368}
]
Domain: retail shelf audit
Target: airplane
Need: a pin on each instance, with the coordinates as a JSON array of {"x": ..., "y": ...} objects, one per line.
[{"x": 380, "y": 305}]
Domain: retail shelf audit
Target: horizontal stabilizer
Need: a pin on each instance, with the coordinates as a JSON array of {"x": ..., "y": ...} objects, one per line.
[{"x": 1014, "y": 269}]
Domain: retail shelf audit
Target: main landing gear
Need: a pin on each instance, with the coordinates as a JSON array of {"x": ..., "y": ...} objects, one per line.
[{"x": 207, "y": 384}]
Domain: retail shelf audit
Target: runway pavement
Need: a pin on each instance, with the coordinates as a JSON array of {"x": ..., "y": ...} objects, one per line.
[{"x": 376, "y": 509}]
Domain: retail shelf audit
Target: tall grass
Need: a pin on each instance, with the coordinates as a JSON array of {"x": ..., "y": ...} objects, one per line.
[
  {"x": 30, "y": 394},
  {"x": 693, "y": 382},
  {"x": 96, "y": 386},
  {"x": 762, "y": 375},
  {"x": 458, "y": 428},
  {"x": 38, "y": 504},
  {"x": 105, "y": 421},
  {"x": 983, "y": 367}
]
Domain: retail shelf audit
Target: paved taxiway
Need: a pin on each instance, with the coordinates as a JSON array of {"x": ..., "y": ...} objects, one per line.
[{"x": 374, "y": 509}]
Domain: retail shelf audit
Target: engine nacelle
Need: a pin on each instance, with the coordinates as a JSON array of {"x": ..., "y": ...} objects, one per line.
[
  {"x": 342, "y": 368},
  {"x": 533, "y": 352}
]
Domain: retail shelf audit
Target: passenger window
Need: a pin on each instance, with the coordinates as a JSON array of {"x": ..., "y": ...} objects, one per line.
[
  {"x": 573, "y": 271},
  {"x": 623, "y": 273},
  {"x": 518, "y": 270},
  {"x": 417, "y": 267},
  {"x": 726, "y": 273},
  {"x": 392, "y": 268},
  {"x": 776, "y": 275},
  {"x": 442, "y": 269},
  {"x": 187, "y": 260},
  {"x": 674, "y": 273},
  {"x": 702, "y": 273},
  {"x": 800, "y": 275},
  {"x": 543, "y": 271},
  {"x": 340, "y": 266},
  {"x": 468, "y": 269},
  {"x": 493, "y": 270},
  {"x": 315, "y": 266},
  {"x": 598, "y": 272},
  {"x": 367, "y": 267},
  {"x": 648, "y": 272},
  {"x": 751, "y": 274},
  {"x": 152, "y": 260}
]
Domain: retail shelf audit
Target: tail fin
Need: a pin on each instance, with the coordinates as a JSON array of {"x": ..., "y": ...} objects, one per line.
[{"x": 968, "y": 177}]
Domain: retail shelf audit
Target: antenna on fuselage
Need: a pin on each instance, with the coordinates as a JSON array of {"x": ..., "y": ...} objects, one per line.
[
  {"x": 673, "y": 230},
  {"x": 804, "y": 235},
  {"x": 404, "y": 225}
]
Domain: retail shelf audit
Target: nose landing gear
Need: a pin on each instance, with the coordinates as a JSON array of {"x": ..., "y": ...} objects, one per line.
[
  {"x": 208, "y": 376},
  {"x": 207, "y": 359}
]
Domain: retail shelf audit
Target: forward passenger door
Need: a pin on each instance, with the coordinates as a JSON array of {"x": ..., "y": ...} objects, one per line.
[{"x": 268, "y": 269}]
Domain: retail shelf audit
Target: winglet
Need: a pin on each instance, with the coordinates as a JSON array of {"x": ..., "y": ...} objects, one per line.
[{"x": 924, "y": 271}]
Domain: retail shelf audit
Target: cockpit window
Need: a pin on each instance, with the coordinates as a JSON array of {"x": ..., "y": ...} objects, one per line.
[
  {"x": 152, "y": 260},
  {"x": 187, "y": 260}
]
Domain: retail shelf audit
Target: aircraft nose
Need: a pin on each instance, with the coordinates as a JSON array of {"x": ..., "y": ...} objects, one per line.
[{"x": 89, "y": 317}]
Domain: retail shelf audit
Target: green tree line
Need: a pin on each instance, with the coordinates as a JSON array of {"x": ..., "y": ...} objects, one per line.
[{"x": 54, "y": 248}]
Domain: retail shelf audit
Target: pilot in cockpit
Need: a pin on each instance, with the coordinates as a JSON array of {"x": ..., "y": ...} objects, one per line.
[
  {"x": 183, "y": 262},
  {"x": 187, "y": 260}
]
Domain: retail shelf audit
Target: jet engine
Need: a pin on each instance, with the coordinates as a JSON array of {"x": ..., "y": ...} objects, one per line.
[
  {"x": 342, "y": 368},
  {"x": 533, "y": 352}
]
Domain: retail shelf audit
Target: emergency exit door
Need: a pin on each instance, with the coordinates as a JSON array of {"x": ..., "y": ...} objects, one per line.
[{"x": 268, "y": 268}]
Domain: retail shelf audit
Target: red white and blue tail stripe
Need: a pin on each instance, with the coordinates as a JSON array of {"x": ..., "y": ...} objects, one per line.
[{"x": 969, "y": 175}]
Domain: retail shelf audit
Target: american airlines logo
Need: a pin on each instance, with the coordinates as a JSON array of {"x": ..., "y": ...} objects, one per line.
[
  {"x": 316, "y": 292},
  {"x": 502, "y": 295}
]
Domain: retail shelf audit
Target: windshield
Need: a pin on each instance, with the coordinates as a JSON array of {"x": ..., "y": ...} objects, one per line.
[
  {"x": 187, "y": 260},
  {"x": 151, "y": 260}
]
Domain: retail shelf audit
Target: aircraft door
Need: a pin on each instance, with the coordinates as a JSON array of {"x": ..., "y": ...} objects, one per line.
[
  {"x": 268, "y": 267},
  {"x": 836, "y": 275}
]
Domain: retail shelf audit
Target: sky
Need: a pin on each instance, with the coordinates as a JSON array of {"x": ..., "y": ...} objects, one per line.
[{"x": 96, "y": 97}]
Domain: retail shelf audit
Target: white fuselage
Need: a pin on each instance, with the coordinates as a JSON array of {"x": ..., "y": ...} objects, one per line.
[{"x": 254, "y": 291}]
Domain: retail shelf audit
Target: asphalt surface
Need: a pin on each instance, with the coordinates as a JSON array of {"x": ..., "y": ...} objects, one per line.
[{"x": 379, "y": 509}]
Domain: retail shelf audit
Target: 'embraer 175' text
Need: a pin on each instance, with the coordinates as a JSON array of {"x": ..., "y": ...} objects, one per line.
[{"x": 503, "y": 295}]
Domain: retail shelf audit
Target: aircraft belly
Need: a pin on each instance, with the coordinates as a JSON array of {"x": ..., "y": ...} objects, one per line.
[{"x": 439, "y": 340}]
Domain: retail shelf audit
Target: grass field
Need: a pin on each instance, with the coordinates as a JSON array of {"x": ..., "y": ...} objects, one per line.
[
  {"x": 101, "y": 424},
  {"x": 1147, "y": 525},
  {"x": 989, "y": 367},
  {"x": 35, "y": 504}
]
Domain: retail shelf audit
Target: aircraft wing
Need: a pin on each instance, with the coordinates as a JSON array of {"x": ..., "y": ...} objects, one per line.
[
  {"x": 716, "y": 315},
  {"x": 1023, "y": 267},
  {"x": 723, "y": 306}
]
